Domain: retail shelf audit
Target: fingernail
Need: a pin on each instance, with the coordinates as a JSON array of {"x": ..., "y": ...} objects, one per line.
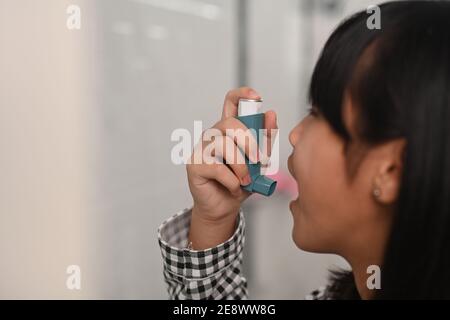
[
  {"x": 266, "y": 165},
  {"x": 254, "y": 94},
  {"x": 246, "y": 180}
]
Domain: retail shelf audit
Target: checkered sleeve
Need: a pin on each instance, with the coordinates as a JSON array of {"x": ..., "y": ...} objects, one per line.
[{"x": 214, "y": 273}]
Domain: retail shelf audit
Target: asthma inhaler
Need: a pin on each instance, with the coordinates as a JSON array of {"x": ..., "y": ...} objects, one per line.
[{"x": 248, "y": 114}]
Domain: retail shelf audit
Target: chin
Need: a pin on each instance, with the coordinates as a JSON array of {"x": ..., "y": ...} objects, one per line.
[
  {"x": 305, "y": 243},
  {"x": 298, "y": 239},
  {"x": 300, "y": 234}
]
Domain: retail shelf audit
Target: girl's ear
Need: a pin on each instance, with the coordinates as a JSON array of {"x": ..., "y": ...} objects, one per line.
[{"x": 387, "y": 180}]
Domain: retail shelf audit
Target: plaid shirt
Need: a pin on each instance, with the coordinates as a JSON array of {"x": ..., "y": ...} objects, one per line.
[{"x": 214, "y": 273}]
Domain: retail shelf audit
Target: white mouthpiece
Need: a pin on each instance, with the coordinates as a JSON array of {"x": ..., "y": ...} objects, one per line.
[{"x": 249, "y": 107}]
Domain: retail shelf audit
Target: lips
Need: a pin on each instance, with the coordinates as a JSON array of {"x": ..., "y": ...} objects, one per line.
[{"x": 291, "y": 205}]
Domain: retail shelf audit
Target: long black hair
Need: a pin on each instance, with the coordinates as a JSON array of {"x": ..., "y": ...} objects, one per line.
[{"x": 402, "y": 92}]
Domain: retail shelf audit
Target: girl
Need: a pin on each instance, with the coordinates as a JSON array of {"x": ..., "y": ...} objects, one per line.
[{"x": 371, "y": 162}]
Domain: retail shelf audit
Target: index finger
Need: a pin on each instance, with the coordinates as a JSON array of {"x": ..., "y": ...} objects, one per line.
[{"x": 230, "y": 105}]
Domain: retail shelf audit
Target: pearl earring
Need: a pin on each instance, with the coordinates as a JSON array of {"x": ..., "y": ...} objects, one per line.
[{"x": 376, "y": 192}]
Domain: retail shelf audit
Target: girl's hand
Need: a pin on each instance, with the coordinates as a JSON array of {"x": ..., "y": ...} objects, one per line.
[{"x": 216, "y": 188}]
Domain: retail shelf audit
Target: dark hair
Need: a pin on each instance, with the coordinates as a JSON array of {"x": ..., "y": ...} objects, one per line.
[{"x": 403, "y": 92}]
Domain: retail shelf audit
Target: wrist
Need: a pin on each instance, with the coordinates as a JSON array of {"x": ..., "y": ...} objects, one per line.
[
  {"x": 214, "y": 219},
  {"x": 206, "y": 232}
]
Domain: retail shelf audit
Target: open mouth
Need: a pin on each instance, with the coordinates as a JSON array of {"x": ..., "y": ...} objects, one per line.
[{"x": 293, "y": 203}]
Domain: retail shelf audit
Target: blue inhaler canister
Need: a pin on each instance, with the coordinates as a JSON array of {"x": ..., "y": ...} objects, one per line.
[{"x": 248, "y": 114}]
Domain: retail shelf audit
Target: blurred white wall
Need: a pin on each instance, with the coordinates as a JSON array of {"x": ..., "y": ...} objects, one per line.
[
  {"x": 44, "y": 149},
  {"x": 162, "y": 65}
]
